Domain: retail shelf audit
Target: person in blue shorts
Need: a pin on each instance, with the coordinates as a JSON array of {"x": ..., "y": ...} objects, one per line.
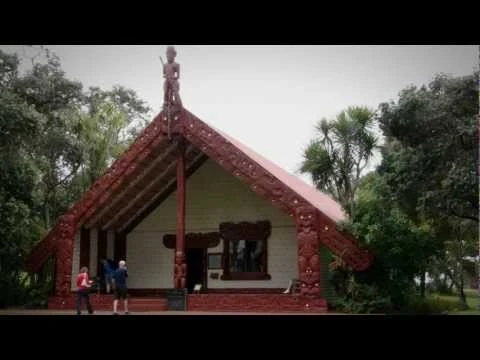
[{"x": 120, "y": 287}]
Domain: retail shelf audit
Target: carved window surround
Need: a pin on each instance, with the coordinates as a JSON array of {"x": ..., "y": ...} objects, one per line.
[{"x": 245, "y": 232}]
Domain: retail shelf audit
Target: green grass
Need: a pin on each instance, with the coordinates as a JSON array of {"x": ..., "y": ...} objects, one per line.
[{"x": 473, "y": 302}]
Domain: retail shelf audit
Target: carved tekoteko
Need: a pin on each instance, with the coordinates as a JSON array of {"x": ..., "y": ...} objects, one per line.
[
  {"x": 172, "y": 103},
  {"x": 171, "y": 73}
]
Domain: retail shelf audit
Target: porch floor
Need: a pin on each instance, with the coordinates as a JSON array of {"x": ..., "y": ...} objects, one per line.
[
  {"x": 217, "y": 302},
  {"x": 46, "y": 312}
]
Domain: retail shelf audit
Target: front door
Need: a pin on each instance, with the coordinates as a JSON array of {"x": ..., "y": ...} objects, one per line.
[{"x": 196, "y": 269}]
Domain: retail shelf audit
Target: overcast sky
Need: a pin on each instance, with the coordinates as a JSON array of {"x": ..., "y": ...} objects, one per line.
[{"x": 268, "y": 97}]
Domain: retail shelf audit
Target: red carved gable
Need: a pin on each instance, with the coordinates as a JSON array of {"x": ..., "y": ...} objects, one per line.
[{"x": 144, "y": 175}]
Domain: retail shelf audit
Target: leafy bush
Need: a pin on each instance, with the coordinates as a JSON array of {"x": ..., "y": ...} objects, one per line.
[
  {"x": 37, "y": 298},
  {"x": 363, "y": 299},
  {"x": 37, "y": 294}
]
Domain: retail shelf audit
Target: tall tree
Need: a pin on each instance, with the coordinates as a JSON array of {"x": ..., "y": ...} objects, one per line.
[
  {"x": 59, "y": 155},
  {"x": 432, "y": 152},
  {"x": 402, "y": 248},
  {"x": 337, "y": 158},
  {"x": 431, "y": 155},
  {"x": 55, "y": 140},
  {"x": 20, "y": 125},
  {"x": 127, "y": 102}
]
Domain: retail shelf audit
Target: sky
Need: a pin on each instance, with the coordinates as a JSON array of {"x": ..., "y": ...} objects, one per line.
[{"x": 268, "y": 97}]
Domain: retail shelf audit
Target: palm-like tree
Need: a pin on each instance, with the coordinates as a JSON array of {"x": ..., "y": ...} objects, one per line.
[{"x": 335, "y": 160}]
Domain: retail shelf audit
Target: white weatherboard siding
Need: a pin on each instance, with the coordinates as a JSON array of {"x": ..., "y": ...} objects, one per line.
[{"x": 213, "y": 196}]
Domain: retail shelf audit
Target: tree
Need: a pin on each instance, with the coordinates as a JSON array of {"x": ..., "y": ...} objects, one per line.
[
  {"x": 55, "y": 140},
  {"x": 83, "y": 133},
  {"x": 460, "y": 239},
  {"x": 20, "y": 125},
  {"x": 105, "y": 130},
  {"x": 126, "y": 101},
  {"x": 58, "y": 152},
  {"x": 431, "y": 155},
  {"x": 432, "y": 147},
  {"x": 401, "y": 247},
  {"x": 337, "y": 158},
  {"x": 99, "y": 135}
]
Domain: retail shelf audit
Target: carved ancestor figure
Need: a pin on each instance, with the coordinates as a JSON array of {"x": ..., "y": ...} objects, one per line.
[
  {"x": 64, "y": 250},
  {"x": 180, "y": 276},
  {"x": 171, "y": 73},
  {"x": 308, "y": 257}
]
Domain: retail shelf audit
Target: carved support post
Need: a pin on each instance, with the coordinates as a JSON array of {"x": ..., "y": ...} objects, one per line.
[
  {"x": 180, "y": 271},
  {"x": 64, "y": 254},
  {"x": 308, "y": 251},
  {"x": 85, "y": 247}
]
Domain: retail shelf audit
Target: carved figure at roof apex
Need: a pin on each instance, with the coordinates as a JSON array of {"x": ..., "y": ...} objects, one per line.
[{"x": 171, "y": 73}]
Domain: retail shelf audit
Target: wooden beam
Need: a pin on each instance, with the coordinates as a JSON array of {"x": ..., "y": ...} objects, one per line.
[
  {"x": 111, "y": 208},
  {"x": 141, "y": 198},
  {"x": 132, "y": 224}
]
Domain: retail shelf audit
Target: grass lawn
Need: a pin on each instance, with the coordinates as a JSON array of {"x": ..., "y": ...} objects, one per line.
[{"x": 473, "y": 302}]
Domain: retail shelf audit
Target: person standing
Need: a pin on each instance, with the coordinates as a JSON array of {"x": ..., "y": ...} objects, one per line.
[
  {"x": 83, "y": 289},
  {"x": 120, "y": 286},
  {"x": 108, "y": 272}
]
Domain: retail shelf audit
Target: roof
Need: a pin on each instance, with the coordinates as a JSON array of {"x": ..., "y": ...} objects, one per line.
[
  {"x": 145, "y": 175},
  {"x": 320, "y": 200}
]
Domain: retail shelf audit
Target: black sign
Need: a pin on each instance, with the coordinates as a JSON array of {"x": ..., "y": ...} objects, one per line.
[{"x": 177, "y": 299}]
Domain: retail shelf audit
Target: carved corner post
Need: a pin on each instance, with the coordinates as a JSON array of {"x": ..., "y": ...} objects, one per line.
[
  {"x": 64, "y": 255},
  {"x": 308, "y": 251},
  {"x": 180, "y": 271}
]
